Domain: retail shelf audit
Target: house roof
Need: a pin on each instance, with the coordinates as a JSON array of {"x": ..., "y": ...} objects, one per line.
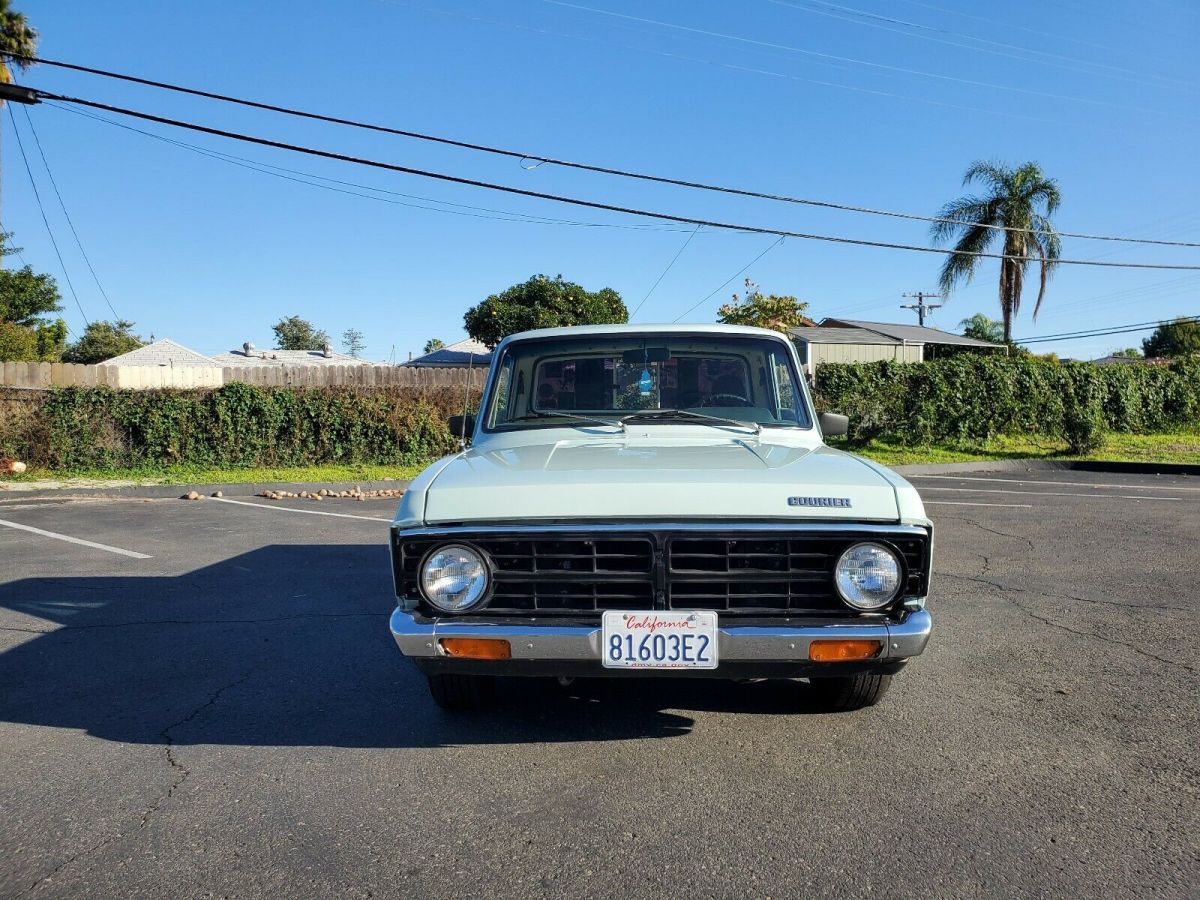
[
  {"x": 909, "y": 334},
  {"x": 163, "y": 352},
  {"x": 468, "y": 352},
  {"x": 287, "y": 358},
  {"x": 1131, "y": 361},
  {"x": 817, "y": 334}
]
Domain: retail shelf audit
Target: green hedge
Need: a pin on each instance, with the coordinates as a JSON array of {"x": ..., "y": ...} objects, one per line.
[
  {"x": 972, "y": 398},
  {"x": 236, "y": 425}
]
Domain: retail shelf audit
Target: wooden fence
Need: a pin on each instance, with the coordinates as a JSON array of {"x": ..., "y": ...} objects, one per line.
[{"x": 47, "y": 375}]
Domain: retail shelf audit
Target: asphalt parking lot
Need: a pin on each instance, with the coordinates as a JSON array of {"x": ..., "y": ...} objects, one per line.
[{"x": 202, "y": 699}]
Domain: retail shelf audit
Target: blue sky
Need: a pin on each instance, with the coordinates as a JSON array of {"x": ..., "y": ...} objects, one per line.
[{"x": 803, "y": 97}]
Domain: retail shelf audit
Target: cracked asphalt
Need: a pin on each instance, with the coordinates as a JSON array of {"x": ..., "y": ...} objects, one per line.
[{"x": 229, "y": 718}]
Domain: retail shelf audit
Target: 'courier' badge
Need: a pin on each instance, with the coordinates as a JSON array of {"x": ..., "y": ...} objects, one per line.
[{"x": 819, "y": 501}]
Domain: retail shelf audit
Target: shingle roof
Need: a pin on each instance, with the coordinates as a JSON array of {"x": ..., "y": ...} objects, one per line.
[
  {"x": 463, "y": 353},
  {"x": 819, "y": 335},
  {"x": 287, "y": 358},
  {"x": 909, "y": 334},
  {"x": 163, "y": 352}
]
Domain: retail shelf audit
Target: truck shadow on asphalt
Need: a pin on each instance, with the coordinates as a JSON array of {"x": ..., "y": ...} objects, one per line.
[{"x": 288, "y": 645}]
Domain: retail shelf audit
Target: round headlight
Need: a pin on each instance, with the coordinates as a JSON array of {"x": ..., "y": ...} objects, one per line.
[
  {"x": 454, "y": 578},
  {"x": 868, "y": 576}
]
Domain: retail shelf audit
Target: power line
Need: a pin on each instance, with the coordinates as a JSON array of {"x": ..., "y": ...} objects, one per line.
[
  {"x": 477, "y": 212},
  {"x": 725, "y": 283},
  {"x": 839, "y": 85},
  {"x": 907, "y": 28},
  {"x": 67, "y": 215},
  {"x": 840, "y": 59},
  {"x": 570, "y": 164},
  {"x": 1116, "y": 329},
  {"x": 42, "y": 209},
  {"x": 575, "y": 201},
  {"x": 658, "y": 281}
]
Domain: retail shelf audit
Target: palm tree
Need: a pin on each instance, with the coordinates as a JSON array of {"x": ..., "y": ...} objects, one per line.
[
  {"x": 982, "y": 328},
  {"x": 16, "y": 36},
  {"x": 1018, "y": 205}
]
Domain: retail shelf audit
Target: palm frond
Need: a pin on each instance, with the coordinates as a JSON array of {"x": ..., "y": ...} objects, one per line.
[
  {"x": 964, "y": 212},
  {"x": 997, "y": 176},
  {"x": 1048, "y": 247},
  {"x": 1046, "y": 190},
  {"x": 960, "y": 264}
]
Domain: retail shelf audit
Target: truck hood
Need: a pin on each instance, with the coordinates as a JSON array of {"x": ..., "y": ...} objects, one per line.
[{"x": 646, "y": 478}]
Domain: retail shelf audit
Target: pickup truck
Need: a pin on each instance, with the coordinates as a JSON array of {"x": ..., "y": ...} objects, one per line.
[{"x": 657, "y": 500}]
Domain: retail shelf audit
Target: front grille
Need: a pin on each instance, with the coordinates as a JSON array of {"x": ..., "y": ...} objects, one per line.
[
  {"x": 754, "y": 574},
  {"x": 779, "y": 573},
  {"x": 555, "y": 574}
]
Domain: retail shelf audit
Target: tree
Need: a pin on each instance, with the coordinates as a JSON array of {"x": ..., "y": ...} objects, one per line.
[
  {"x": 433, "y": 344},
  {"x": 26, "y": 335},
  {"x": 542, "y": 302},
  {"x": 17, "y": 343},
  {"x": 352, "y": 342},
  {"x": 981, "y": 328},
  {"x": 26, "y": 296},
  {"x": 1128, "y": 353},
  {"x": 1015, "y": 210},
  {"x": 102, "y": 341},
  {"x": 779, "y": 313},
  {"x": 294, "y": 333},
  {"x": 1178, "y": 338},
  {"x": 16, "y": 36}
]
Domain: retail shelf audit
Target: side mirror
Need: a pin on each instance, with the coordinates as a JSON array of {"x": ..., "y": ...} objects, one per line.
[
  {"x": 462, "y": 426},
  {"x": 834, "y": 425}
]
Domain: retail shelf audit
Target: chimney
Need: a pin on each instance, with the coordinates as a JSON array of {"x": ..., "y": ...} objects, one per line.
[
  {"x": 327, "y": 351},
  {"x": 247, "y": 348}
]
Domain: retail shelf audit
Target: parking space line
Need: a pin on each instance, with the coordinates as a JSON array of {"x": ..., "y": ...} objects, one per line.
[
  {"x": 969, "y": 503},
  {"x": 963, "y": 490},
  {"x": 1136, "y": 487},
  {"x": 307, "y": 512},
  {"x": 74, "y": 540}
]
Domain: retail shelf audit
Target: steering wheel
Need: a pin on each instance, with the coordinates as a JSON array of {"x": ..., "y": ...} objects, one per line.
[{"x": 737, "y": 400}]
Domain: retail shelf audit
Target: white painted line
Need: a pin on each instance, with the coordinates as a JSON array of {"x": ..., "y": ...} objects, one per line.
[
  {"x": 968, "y": 503},
  {"x": 73, "y": 540},
  {"x": 963, "y": 490},
  {"x": 292, "y": 509},
  {"x": 1136, "y": 487}
]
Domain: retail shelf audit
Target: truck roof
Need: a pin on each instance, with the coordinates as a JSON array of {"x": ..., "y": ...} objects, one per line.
[{"x": 575, "y": 330}]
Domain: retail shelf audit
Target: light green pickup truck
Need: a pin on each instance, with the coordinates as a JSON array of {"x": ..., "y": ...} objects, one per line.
[{"x": 658, "y": 501}]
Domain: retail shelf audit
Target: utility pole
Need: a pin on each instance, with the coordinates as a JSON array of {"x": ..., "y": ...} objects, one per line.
[{"x": 921, "y": 306}]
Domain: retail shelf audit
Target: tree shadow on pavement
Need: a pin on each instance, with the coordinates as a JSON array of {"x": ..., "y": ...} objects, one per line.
[{"x": 288, "y": 645}]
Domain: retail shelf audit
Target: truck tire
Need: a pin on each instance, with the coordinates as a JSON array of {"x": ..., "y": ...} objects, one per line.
[
  {"x": 457, "y": 692},
  {"x": 850, "y": 693}
]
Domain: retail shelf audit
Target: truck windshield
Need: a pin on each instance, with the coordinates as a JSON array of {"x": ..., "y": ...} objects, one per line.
[{"x": 557, "y": 381}]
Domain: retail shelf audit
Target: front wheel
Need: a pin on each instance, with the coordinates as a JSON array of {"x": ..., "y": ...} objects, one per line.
[
  {"x": 457, "y": 692},
  {"x": 849, "y": 693}
]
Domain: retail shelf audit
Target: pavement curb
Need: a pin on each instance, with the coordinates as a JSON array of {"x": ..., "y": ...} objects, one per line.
[
  {"x": 175, "y": 491},
  {"x": 1050, "y": 465}
]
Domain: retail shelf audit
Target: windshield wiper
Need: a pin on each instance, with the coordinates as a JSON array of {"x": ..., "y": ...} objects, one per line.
[
  {"x": 686, "y": 414},
  {"x": 573, "y": 417}
]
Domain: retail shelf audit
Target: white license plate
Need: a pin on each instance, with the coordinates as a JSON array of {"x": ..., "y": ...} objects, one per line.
[{"x": 659, "y": 640}]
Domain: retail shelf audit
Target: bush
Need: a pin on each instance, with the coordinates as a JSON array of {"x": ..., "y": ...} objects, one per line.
[
  {"x": 975, "y": 398},
  {"x": 236, "y": 425}
]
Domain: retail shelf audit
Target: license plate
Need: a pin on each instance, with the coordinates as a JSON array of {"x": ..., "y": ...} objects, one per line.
[{"x": 659, "y": 640}]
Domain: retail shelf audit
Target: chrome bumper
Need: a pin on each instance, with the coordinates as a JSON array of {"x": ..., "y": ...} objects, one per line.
[{"x": 736, "y": 643}]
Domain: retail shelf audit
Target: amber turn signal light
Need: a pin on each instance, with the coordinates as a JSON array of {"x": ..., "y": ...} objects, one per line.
[
  {"x": 843, "y": 651},
  {"x": 476, "y": 648}
]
